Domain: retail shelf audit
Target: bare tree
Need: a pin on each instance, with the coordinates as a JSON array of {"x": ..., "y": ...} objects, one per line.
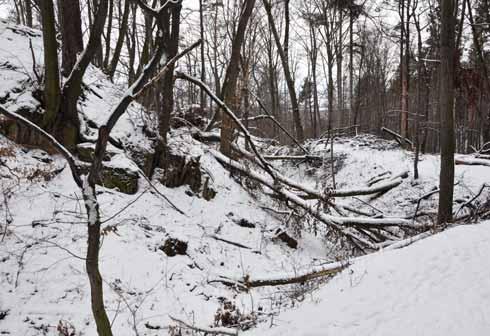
[
  {"x": 447, "y": 45},
  {"x": 287, "y": 73}
]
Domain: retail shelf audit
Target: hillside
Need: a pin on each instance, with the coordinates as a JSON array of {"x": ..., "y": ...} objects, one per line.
[{"x": 233, "y": 235}]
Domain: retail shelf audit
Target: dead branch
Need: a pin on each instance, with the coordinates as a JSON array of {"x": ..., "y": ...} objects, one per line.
[
  {"x": 314, "y": 273},
  {"x": 401, "y": 140},
  {"x": 335, "y": 222},
  {"x": 470, "y": 202},
  {"x": 164, "y": 70},
  {"x": 212, "y": 331},
  {"x": 262, "y": 107},
  {"x": 230, "y": 113},
  {"x": 229, "y": 242}
]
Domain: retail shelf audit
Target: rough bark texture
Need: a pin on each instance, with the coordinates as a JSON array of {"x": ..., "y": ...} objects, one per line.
[
  {"x": 52, "y": 92},
  {"x": 228, "y": 92},
  {"x": 68, "y": 127},
  {"x": 92, "y": 264},
  {"x": 446, "y": 111},
  {"x": 71, "y": 33},
  {"x": 171, "y": 22}
]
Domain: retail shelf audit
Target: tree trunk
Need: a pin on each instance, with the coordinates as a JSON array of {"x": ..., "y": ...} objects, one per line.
[
  {"x": 108, "y": 35},
  {"x": 446, "y": 103},
  {"x": 52, "y": 92},
  {"x": 28, "y": 12},
  {"x": 340, "y": 95},
  {"x": 123, "y": 28},
  {"x": 92, "y": 262},
  {"x": 171, "y": 36},
  {"x": 228, "y": 91},
  {"x": 68, "y": 127},
  {"x": 71, "y": 33},
  {"x": 203, "y": 60},
  {"x": 287, "y": 73}
]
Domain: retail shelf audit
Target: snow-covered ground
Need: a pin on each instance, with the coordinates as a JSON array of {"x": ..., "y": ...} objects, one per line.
[{"x": 432, "y": 287}]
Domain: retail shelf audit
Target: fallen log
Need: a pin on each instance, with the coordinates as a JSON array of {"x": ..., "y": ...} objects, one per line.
[
  {"x": 316, "y": 272},
  {"x": 401, "y": 140},
  {"x": 206, "y": 330},
  {"x": 472, "y": 162},
  {"x": 408, "y": 241},
  {"x": 325, "y": 196},
  {"x": 329, "y": 269},
  {"x": 335, "y": 222},
  {"x": 382, "y": 187},
  {"x": 292, "y": 158}
]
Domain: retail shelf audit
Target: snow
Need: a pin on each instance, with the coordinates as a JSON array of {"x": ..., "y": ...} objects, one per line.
[{"x": 437, "y": 286}]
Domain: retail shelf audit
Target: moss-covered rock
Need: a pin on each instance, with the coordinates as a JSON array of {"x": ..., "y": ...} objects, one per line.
[{"x": 126, "y": 181}]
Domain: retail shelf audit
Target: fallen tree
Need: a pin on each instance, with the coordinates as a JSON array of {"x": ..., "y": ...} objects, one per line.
[
  {"x": 338, "y": 223},
  {"x": 286, "y": 279},
  {"x": 398, "y": 138},
  {"x": 471, "y": 161},
  {"x": 316, "y": 272}
]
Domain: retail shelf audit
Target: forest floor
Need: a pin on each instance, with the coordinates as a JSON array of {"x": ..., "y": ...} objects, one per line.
[{"x": 437, "y": 286}]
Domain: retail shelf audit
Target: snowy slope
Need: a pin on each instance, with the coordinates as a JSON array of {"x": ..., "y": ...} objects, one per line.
[
  {"x": 439, "y": 286},
  {"x": 42, "y": 271}
]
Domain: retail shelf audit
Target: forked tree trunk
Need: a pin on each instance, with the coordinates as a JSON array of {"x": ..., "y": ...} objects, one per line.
[{"x": 68, "y": 125}]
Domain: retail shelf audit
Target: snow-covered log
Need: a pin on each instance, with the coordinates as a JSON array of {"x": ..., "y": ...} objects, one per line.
[
  {"x": 325, "y": 196},
  {"x": 472, "y": 161},
  {"x": 381, "y": 187},
  {"x": 336, "y": 222},
  {"x": 287, "y": 279},
  {"x": 207, "y": 330},
  {"x": 292, "y": 158}
]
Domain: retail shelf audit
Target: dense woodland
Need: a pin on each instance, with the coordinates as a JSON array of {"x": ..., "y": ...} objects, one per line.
[{"x": 414, "y": 71}]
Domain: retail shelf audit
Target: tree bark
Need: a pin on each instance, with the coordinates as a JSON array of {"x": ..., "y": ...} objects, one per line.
[
  {"x": 52, "y": 92},
  {"x": 171, "y": 22},
  {"x": 71, "y": 33},
  {"x": 123, "y": 28},
  {"x": 446, "y": 102},
  {"x": 228, "y": 91},
  {"x": 68, "y": 127}
]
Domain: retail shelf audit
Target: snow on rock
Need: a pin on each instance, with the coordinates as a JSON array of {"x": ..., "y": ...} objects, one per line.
[{"x": 438, "y": 286}]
